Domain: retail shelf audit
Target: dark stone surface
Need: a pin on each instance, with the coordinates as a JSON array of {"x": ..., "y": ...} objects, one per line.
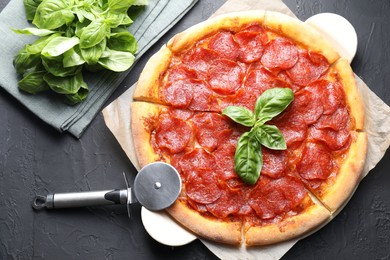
[{"x": 35, "y": 159}]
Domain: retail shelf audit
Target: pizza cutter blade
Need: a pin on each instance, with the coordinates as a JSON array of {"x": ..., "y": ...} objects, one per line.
[{"x": 156, "y": 187}]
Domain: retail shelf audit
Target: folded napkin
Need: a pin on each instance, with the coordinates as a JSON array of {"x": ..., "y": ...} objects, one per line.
[{"x": 157, "y": 18}]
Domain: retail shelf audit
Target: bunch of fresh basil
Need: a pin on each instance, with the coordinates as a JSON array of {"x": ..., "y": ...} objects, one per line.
[
  {"x": 75, "y": 34},
  {"x": 248, "y": 159}
]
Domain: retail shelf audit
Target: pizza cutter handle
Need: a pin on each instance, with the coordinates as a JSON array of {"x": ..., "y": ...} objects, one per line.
[{"x": 81, "y": 199}]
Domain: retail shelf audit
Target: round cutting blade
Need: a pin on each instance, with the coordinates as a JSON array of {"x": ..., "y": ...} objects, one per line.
[{"x": 157, "y": 186}]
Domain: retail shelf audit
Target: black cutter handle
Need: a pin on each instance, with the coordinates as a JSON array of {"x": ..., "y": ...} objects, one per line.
[{"x": 80, "y": 199}]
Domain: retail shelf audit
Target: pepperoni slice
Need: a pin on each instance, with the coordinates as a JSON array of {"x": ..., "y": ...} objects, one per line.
[
  {"x": 257, "y": 199},
  {"x": 251, "y": 45},
  {"x": 316, "y": 162},
  {"x": 274, "y": 163},
  {"x": 224, "y": 155},
  {"x": 335, "y": 140},
  {"x": 204, "y": 99},
  {"x": 198, "y": 158},
  {"x": 309, "y": 67},
  {"x": 307, "y": 105},
  {"x": 229, "y": 203},
  {"x": 208, "y": 129},
  {"x": 179, "y": 72},
  {"x": 274, "y": 197},
  {"x": 258, "y": 81},
  {"x": 173, "y": 134},
  {"x": 293, "y": 189},
  {"x": 332, "y": 96},
  {"x": 178, "y": 93},
  {"x": 339, "y": 119},
  {"x": 225, "y": 76},
  {"x": 294, "y": 132},
  {"x": 202, "y": 187},
  {"x": 243, "y": 97},
  {"x": 183, "y": 114},
  {"x": 280, "y": 53},
  {"x": 198, "y": 59},
  {"x": 197, "y": 206},
  {"x": 224, "y": 44}
]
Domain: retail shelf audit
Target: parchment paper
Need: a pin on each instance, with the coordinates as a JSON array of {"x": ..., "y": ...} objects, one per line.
[{"x": 377, "y": 126}]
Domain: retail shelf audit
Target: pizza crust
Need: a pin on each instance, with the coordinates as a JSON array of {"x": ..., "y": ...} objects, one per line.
[
  {"x": 296, "y": 226},
  {"x": 220, "y": 231},
  {"x": 301, "y": 33},
  {"x": 352, "y": 95},
  {"x": 349, "y": 175},
  {"x": 140, "y": 111},
  {"x": 230, "y": 21},
  {"x": 147, "y": 88}
]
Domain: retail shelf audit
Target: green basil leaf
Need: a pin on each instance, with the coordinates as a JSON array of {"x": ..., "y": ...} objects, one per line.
[
  {"x": 94, "y": 33},
  {"x": 65, "y": 85},
  {"x": 119, "y": 6},
  {"x": 81, "y": 94},
  {"x": 33, "y": 31},
  {"x": 135, "y": 10},
  {"x": 82, "y": 13},
  {"x": 241, "y": 115},
  {"x": 52, "y": 14},
  {"x": 115, "y": 20},
  {"x": 80, "y": 27},
  {"x": 270, "y": 136},
  {"x": 54, "y": 65},
  {"x": 122, "y": 41},
  {"x": 30, "y": 7},
  {"x": 72, "y": 58},
  {"x": 33, "y": 82},
  {"x": 24, "y": 60},
  {"x": 271, "y": 103},
  {"x": 38, "y": 45},
  {"x": 248, "y": 159},
  {"x": 116, "y": 60},
  {"x": 59, "y": 45},
  {"x": 93, "y": 54}
]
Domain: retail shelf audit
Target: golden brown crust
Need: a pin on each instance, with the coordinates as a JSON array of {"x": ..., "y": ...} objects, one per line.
[
  {"x": 352, "y": 95},
  {"x": 349, "y": 175},
  {"x": 148, "y": 84},
  {"x": 301, "y": 33},
  {"x": 309, "y": 220},
  {"x": 140, "y": 112},
  {"x": 230, "y": 21},
  {"x": 220, "y": 231}
]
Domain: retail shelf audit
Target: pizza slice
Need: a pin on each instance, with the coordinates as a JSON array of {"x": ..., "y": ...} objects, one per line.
[
  {"x": 282, "y": 209},
  {"x": 333, "y": 156}
]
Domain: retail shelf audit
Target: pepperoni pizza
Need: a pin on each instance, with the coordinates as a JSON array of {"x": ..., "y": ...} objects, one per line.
[{"x": 231, "y": 60}]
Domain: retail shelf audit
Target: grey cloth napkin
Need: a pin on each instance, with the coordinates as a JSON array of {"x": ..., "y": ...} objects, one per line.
[{"x": 158, "y": 17}]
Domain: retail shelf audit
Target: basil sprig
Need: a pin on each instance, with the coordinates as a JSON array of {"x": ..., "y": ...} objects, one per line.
[
  {"x": 248, "y": 159},
  {"x": 75, "y": 34}
]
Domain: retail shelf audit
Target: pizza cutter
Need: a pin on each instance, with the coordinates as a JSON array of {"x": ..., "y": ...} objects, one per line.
[{"x": 156, "y": 187}]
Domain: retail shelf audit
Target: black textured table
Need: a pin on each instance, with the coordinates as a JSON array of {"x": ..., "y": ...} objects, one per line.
[{"x": 35, "y": 159}]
